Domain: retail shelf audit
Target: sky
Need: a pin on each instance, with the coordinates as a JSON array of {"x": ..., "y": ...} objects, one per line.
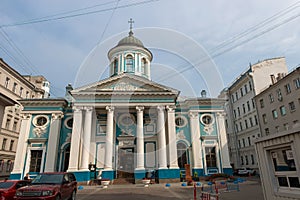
[{"x": 196, "y": 45}]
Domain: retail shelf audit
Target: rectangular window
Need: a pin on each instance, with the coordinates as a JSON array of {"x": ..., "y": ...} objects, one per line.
[
  {"x": 255, "y": 119},
  {"x": 246, "y": 124},
  {"x": 242, "y": 160},
  {"x": 267, "y": 132},
  {"x": 246, "y": 89},
  {"x": 244, "y": 144},
  {"x": 279, "y": 95},
  {"x": 248, "y": 105},
  {"x": 11, "y": 146},
  {"x": 285, "y": 169},
  {"x": 249, "y": 141},
  {"x": 242, "y": 93},
  {"x": 15, "y": 126},
  {"x": 292, "y": 106},
  {"x": 241, "y": 127},
  {"x": 236, "y": 128},
  {"x": 264, "y": 117},
  {"x": 239, "y": 143},
  {"x": 244, "y": 109},
  {"x": 232, "y": 98},
  {"x": 277, "y": 129},
  {"x": 6, "y": 84},
  {"x": 297, "y": 83},
  {"x": 4, "y": 143},
  {"x": 271, "y": 97},
  {"x": 250, "y": 86},
  {"x": 287, "y": 88},
  {"x": 27, "y": 95},
  {"x": 14, "y": 87},
  {"x": 36, "y": 160},
  {"x": 239, "y": 112},
  {"x": 253, "y": 103},
  {"x": 282, "y": 110},
  {"x": 275, "y": 114},
  {"x": 236, "y": 96},
  {"x": 234, "y": 114},
  {"x": 286, "y": 126},
  {"x": 252, "y": 159},
  {"x": 251, "y": 122},
  {"x": 261, "y": 103},
  {"x": 21, "y": 91},
  {"x": 7, "y": 124},
  {"x": 246, "y": 160}
]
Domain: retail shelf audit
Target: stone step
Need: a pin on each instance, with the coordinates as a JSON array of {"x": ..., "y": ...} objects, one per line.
[{"x": 123, "y": 181}]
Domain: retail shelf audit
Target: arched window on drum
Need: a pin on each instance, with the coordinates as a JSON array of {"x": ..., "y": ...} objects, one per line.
[{"x": 129, "y": 63}]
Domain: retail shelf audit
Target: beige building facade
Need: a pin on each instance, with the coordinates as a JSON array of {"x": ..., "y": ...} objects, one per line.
[
  {"x": 279, "y": 158},
  {"x": 242, "y": 118},
  {"x": 13, "y": 86}
]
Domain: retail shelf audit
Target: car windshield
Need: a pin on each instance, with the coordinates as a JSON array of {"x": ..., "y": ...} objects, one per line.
[
  {"x": 4, "y": 185},
  {"x": 48, "y": 179}
]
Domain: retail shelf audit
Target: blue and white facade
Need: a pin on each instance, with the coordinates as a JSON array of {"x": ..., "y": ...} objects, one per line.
[{"x": 126, "y": 125}]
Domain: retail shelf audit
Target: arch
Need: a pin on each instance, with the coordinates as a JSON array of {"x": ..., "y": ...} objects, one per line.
[
  {"x": 143, "y": 65},
  {"x": 64, "y": 156},
  {"x": 129, "y": 63},
  {"x": 182, "y": 154},
  {"x": 115, "y": 66}
]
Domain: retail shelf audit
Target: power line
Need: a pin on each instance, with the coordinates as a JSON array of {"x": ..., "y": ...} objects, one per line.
[
  {"x": 76, "y": 15},
  {"x": 216, "y": 54}
]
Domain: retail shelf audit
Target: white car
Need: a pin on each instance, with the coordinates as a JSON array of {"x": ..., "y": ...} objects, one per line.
[{"x": 246, "y": 171}]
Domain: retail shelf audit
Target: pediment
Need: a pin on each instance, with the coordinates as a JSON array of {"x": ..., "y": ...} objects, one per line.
[{"x": 124, "y": 83}]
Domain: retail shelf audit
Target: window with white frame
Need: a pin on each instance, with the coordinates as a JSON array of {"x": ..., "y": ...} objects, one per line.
[
  {"x": 292, "y": 106},
  {"x": 287, "y": 88},
  {"x": 284, "y": 168},
  {"x": 297, "y": 83},
  {"x": 282, "y": 110},
  {"x": 275, "y": 114},
  {"x": 271, "y": 97},
  {"x": 279, "y": 95}
]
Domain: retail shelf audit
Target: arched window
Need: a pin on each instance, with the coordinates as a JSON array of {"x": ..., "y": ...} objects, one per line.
[
  {"x": 181, "y": 154},
  {"x": 115, "y": 64},
  {"x": 143, "y": 66},
  {"x": 129, "y": 63}
]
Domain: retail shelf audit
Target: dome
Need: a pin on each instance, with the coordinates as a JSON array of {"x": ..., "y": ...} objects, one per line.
[{"x": 131, "y": 41}]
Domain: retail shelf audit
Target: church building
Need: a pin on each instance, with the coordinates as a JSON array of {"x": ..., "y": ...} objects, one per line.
[{"x": 125, "y": 126}]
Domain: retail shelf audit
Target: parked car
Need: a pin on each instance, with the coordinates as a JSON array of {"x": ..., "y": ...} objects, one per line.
[
  {"x": 8, "y": 188},
  {"x": 246, "y": 171},
  {"x": 48, "y": 186}
]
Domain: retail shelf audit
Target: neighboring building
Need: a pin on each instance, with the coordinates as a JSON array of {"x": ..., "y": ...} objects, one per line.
[
  {"x": 13, "y": 87},
  {"x": 242, "y": 118},
  {"x": 278, "y": 150},
  {"x": 125, "y": 125}
]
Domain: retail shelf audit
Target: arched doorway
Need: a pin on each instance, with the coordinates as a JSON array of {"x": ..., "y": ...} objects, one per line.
[{"x": 182, "y": 154}]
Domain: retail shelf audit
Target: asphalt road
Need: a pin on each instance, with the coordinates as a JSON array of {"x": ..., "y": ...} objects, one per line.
[{"x": 249, "y": 190}]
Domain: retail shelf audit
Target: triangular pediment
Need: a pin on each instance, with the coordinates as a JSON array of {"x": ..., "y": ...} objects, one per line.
[{"x": 124, "y": 83}]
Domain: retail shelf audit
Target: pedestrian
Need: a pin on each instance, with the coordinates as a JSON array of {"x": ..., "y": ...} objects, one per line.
[{"x": 27, "y": 177}]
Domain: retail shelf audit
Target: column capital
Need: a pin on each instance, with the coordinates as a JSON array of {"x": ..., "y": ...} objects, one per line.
[
  {"x": 139, "y": 108},
  {"x": 25, "y": 116},
  {"x": 57, "y": 115},
  {"x": 88, "y": 108},
  {"x": 77, "y": 108},
  {"x": 221, "y": 114},
  {"x": 171, "y": 108},
  {"x": 160, "y": 108},
  {"x": 110, "y": 108},
  {"x": 193, "y": 114}
]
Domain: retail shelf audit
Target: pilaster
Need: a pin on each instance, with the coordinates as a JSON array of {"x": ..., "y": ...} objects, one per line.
[
  {"x": 162, "y": 151},
  {"x": 140, "y": 138},
  {"x": 109, "y": 138},
  {"x": 195, "y": 138}
]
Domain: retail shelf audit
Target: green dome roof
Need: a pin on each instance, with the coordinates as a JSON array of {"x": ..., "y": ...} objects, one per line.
[{"x": 131, "y": 41}]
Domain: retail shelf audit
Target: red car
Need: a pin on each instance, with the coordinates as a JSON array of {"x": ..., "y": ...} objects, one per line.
[
  {"x": 47, "y": 186},
  {"x": 8, "y": 188}
]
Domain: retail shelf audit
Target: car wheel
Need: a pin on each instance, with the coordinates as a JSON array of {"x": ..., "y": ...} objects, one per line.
[{"x": 73, "y": 196}]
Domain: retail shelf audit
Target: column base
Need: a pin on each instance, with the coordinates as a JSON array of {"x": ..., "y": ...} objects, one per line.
[
  {"x": 16, "y": 176},
  {"x": 108, "y": 174},
  {"x": 82, "y": 176},
  {"x": 198, "y": 171},
  {"x": 139, "y": 174},
  {"x": 168, "y": 175},
  {"x": 228, "y": 171}
]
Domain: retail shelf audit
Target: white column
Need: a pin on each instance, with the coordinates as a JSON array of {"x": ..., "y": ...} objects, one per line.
[
  {"x": 195, "y": 138},
  {"x": 75, "y": 140},
  {"x": 109, "y": 138},
  {"x": 162, "y": 150},
  {"x": 140, "y": 138},
  {"x": 86, "y": 138},
  {"x": 53, "y": 141},
  {"x": 22, "y": 145},
  {"x": 172, "y": 138},
  {"x": 223, "y": 140}
]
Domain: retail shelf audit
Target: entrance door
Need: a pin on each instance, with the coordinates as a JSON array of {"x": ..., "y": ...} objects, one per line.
[
  {"x": 66, "y": 158},
  {"x": 126, "y": 163},
  {"x": 210, "y": 155}
]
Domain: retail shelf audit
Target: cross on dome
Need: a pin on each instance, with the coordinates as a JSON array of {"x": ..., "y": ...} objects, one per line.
[{"x": 130, "y": 22}]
